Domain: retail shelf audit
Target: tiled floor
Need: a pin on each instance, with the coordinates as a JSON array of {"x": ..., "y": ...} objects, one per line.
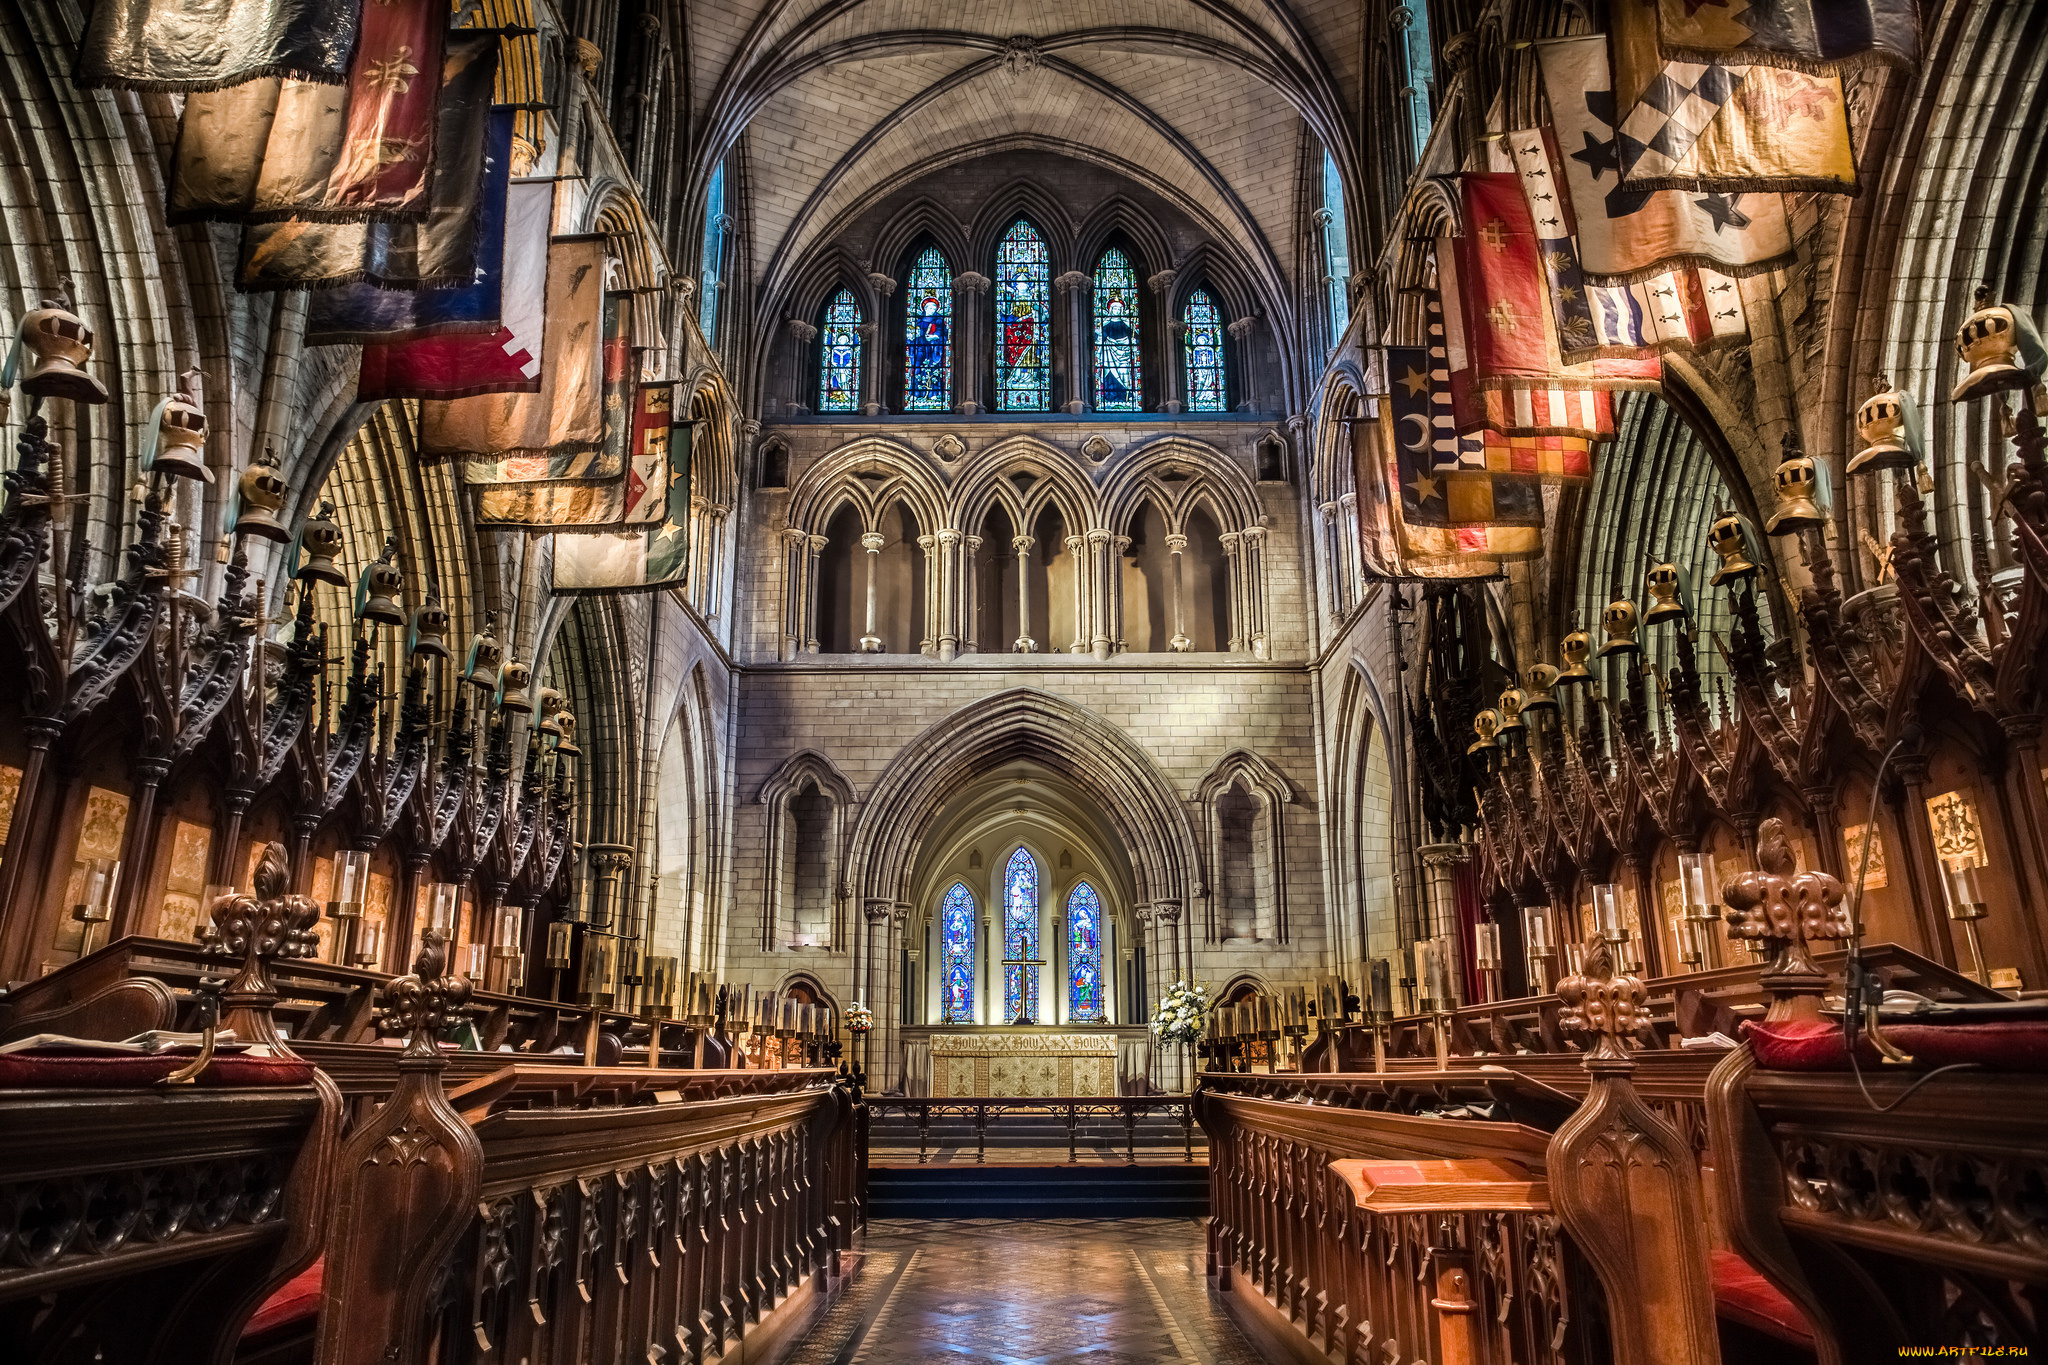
[{"x": 1007, "y": 1292}]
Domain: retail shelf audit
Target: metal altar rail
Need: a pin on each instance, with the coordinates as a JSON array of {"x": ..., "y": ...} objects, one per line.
[{"x": 1126, "y": 1107}]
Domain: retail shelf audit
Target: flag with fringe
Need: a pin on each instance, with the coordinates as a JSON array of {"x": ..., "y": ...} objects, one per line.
[
  {"x": 1624, "y": 233},
  {"x": 441, "y": 362},
  {"x": 437, "y": 252},
  {"x": 1691, "y": 307},
  {"x": 562, "y": 420},
  {"x": 652, "y": 550},
  {"x": 1718, "y": 125},
  {"x": 195, "y": 45},
  {"x": 1805, "y": 35}
]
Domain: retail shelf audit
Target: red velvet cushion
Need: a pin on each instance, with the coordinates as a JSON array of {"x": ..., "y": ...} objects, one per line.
[
  {"x": 28, "y": 1071},
  {"x": 298, "y": 1301},
  {"x": 1742, "y": 1295},
  {"x": 1816, "y": 1045}
]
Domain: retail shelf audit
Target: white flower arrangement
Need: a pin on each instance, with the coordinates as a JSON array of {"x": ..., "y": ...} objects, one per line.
[
  {"x": 859, "y": 1018},
  {"x": 1183, "y": 1014}
]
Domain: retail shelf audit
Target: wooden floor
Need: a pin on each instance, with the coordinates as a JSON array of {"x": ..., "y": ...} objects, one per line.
[{"x": 1007, "y": 1292}]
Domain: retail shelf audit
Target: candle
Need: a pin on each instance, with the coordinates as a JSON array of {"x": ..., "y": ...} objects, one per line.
[
  {"x": 1607, "y": 911},
  {"x": 1439, "y": 976},
  {"x": 1693, "y": 876},
  {"x": 447, "y": 897},
  {"x": 1425, "y": 979},
  {"x": 1382, "y": 989},
  {"x": 1486, "y": 946},
  {"x": 1965, "y": 891},
  {"x": 1536, "y": 918}
]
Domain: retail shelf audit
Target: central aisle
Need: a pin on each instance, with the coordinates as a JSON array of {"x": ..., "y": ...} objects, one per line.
[{"x": 989, "y": 1291}]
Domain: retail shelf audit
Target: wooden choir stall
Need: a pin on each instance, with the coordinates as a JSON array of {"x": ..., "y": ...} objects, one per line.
[{"x": 311, "y": 1171}]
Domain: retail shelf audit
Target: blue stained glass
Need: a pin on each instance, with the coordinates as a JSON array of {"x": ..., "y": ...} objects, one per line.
[
  {"x": 1118, "y": 387},
  {"x": 1203, "y": 343},
  {"x": 1020, "y": 939},
  {"x": 711, "y": 266},
  {"x": 1336, "y": 250},
  {"x": 839, "y": 356},
  {"x": 928, "y": 335},
  {"x": 1023, "y": 322},
  {"x": 1084, "y": 955},
  {"x": 956, "y": 957}
]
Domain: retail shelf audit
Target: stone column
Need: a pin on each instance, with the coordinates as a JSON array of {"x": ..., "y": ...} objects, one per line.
[
  {"x": 1077, "y": 289},
  {"x": 1254, "y": 570},
  {"x": 1174, "y": 363},
  {"x": 1077, "y": 550},
  {"x": 1167, "y": 913},
  {"x": 1333, "y": 554},
  {"x": 872, "y": 542},
  {"x": 1099, "y": 561},
  {"x": 1347, "y": 540},
  {"x": 1118, "y": 545},
  {"x": 800, "y": 373},
  {"x": 1440, "y": 870},
  {"x": 930, "y": 545},
  {"x": 1169, "y": 355},
  {"x": 1024, "y": 643},
  {"x": 1176, "y": 545},
  {"x": 949, "y": 594},
  {"x": 873, "y": 912},
  {"x": 970, "y": 596},
  {"x": 1231, "y": 541},
  {"x": 817, "y": 546},
  {"x": 870, "y": 385},
  {"x": 1247, "y": 384},
  {"x": 796, "y": 573},
  {"x": 970, "y": 340}
]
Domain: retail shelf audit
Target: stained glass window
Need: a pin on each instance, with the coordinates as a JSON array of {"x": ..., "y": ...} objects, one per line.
[
  {"x": 1084, "y": 955},
  {"x": 711, "y": 272},
  {"x": 1023, "y": 322},
  {"x": 928, "y": 335},
  {"x": 1336, "y": 250},
  {"x": 956, "y": 957},
  {"x": 1117, "y": 385},
  {"x": 1020, "y": 939},
  {"x": 1203, "y": 343},
  {"x": 839, "y": 355}
]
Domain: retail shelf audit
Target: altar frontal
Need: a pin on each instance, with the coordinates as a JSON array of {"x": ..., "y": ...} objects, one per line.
[{"x": 1023, "y": 1066}]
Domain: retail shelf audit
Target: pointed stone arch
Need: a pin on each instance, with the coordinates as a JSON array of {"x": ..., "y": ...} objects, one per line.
[
  {"x": 1261, "y": 845},
  {"x": 798, "y": 777},
  {"x": 1024, "y": 723}
]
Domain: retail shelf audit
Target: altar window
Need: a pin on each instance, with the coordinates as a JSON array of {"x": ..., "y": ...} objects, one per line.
[
  {"x": 956, "y": 956},
  {"x": 1084, "y": 956},
  {"x": 1020, "y": 939}
]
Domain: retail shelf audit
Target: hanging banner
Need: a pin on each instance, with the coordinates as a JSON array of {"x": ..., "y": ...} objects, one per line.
[
  {"x": 1722, "y": 126},
  {"x": 566, "y": 412},
  {"x": 357, "y": 313},
  {"x": 183, "y": 45},
  {"x": 1625, "y": 233},
  {"x": 439, "y": 252},
  {"x": 652, "y": 555},
  {"x": 1806, "y": 35},
  {"x": 446, "y": 363}
]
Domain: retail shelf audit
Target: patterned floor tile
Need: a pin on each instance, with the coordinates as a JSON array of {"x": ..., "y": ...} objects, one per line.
[{"x": 994, "y": 1291}]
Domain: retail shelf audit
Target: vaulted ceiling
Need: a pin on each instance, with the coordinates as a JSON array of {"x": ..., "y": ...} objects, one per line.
[{"x": 1201, "y": 100}]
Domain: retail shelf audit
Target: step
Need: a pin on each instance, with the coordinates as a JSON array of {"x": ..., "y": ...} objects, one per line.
[{"x": 1049, "y": 1191}]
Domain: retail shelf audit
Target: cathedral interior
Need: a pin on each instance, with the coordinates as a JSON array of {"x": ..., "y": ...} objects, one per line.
[{"x": 834, "y": 681}]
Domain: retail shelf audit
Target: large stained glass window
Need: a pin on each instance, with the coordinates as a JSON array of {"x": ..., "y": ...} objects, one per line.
[
  {"x": 1336, "y": 250},
  {"x": 1084, "y": 956},
  {"x": 1203, "y": 343},
  {"x": 1020, "y": 939},
  {"x": 711, "y": 266},
  {"x": 839, "y": 355},
  {"x": 1023, "y": 322},
  {"x": 956, "y": 957},
  {"x": 1117, "y": 385},
  {"x": 928, "y": 335}
]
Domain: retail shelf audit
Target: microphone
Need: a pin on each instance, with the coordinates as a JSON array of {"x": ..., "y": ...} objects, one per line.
[{"x": 1861, "y": 992}]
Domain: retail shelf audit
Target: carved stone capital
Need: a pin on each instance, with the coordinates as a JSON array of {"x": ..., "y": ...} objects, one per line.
[
  {"x": 884, "y": 286},
  {"x": 818, "y": 543},
  {"x": 1242, "y": 327},
  {"x": 1074, "y": 279},
  {"x": 1168, "y": 911},
  {"x": 876, "y": 910},
  {"x": 1160, "y": 282},
  {"x": 1176, "y": 543},
  {"x": 970, "y": 282},
  {"x": 948, "y": 536},
  {"x": 802, "y": 331},
  {"x": 1022, "y": 544},
  {"x": 873, "y": 541}
]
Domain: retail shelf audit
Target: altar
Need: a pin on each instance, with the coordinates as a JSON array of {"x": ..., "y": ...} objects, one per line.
[{"x": 1024, "y": 1062}]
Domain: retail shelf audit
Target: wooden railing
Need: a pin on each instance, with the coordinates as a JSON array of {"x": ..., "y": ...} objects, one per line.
[
  {"x": 1127, "y": 1109},
  {"x": 543, "y": 1212}
]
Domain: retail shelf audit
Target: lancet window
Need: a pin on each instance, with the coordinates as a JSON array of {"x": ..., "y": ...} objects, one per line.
[
  {"x": 1020, "y": 939},
  {"x": 1118, "y": 384},
  {"x": 1023, "y": 322},
  {"x": 956, "y": 956},
  {"x": 928, "y": 335},
  {"x": 839, "y": 355},
  {"x": 1203, "y": 343},
  {"x": 1084, "y": 956}
]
